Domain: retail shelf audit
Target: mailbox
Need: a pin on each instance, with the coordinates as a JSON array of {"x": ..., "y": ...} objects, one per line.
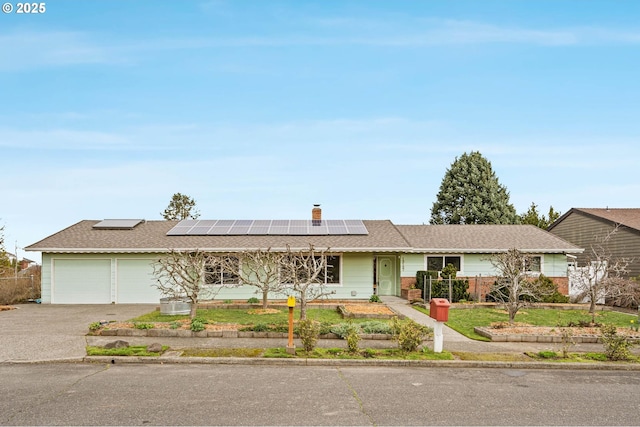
[{"x": 439, "y": 309}]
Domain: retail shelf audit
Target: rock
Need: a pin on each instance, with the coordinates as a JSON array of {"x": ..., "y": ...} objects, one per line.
[
  {"x": 117, "y": 344},
  {"x": 154, "y": 348}
]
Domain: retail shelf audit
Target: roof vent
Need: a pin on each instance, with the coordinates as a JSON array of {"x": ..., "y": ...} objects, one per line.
[{"x": 118, "y": 224}]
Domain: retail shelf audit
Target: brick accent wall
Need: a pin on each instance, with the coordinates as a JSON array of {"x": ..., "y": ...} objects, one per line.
[
  {"x": 479, "y": 287},
  {"x": 407, "y": 282}
]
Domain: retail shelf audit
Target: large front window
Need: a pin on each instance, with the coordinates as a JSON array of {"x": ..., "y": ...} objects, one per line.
[
  {"x": 222, "y": 271},
  {"x": 329, "y": 275},
  {"x": 437, "y": 263}
]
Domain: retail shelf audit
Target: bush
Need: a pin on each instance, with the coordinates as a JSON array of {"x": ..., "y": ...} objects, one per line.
[
  {"x": 376, "y": 327},
  {"x": 308, "y": 331},
  {"x": 616, "y": 347},
  {"x": 253, "y": 300},
  {"x": 408, "y": 334},
  {"x": 353, "y": 337},
  {"x": 374, "y": 298},
  {"x": 197, "y": 324},
  {"x": 440, "y": 288}
]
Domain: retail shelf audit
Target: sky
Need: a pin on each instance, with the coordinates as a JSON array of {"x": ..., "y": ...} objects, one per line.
[{"x": 260, "y": 109}]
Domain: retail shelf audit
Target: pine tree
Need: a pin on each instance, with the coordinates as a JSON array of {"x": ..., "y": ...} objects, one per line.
[
  {"x": 470, "y": 193},
  {"x": 181, "y": 207},
  {"x": 534, "y": 218}
]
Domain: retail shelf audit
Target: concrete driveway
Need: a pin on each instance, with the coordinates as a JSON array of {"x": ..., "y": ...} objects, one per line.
[{"x": 35, "y": 332}]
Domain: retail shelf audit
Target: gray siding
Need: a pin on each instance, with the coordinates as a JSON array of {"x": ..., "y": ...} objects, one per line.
[{"x": 584, "y": 230}]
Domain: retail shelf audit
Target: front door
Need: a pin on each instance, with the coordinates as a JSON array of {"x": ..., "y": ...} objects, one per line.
[{"x": 386, "y": 269}]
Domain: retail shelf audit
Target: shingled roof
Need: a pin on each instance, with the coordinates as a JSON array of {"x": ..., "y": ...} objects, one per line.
[
  {"x": 629, "y": 217},
  {"x": 483, "y": 239},
  {"x": 151, "y": 236},
  {"x": 383, "y": 236}
]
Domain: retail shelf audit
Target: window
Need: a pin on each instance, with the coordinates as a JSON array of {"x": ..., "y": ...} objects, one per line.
[
  {"x": 216, "y": 274},
  {"x": 437, "y": 263},
  {"x": 330, "y": 274},
  {"x": 534, "y": 264},
  {"x": 332, "y": 271}
]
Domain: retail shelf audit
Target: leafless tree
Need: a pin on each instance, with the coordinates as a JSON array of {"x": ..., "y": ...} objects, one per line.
[
  {"x": 260, "y": 268},
  {"x": 304, "y": 273},
  {"x": 603, "y": 275},
  {"x": 184, "y": 274},
  {"x": 515, "y": 286}
]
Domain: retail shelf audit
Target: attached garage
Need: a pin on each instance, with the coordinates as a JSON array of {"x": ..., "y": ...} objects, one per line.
[
  {"x": 134, "y": 281},
  {"x": 80, "y": 281}
]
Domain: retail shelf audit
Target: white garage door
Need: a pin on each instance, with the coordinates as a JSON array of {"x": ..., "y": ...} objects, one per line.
[
  {"x": 81, "y": 281},
  {"x": 135, "y": 280}
]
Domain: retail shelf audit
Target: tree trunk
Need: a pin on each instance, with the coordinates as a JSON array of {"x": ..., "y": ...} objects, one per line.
[
  {"x": 303, "y": 307},
  {"x": 194, "y": 309},
  {"x": 265, "y": 299}
]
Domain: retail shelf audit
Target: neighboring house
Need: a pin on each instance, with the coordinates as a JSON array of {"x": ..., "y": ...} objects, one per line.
[
  {"x": 587, "y": 227},
  {"x": 110, "y": 261}
]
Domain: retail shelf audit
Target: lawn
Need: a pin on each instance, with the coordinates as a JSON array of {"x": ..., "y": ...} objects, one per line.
[
  {"x": 321, "y": 353},
  {"x": 464, "y": 320}
]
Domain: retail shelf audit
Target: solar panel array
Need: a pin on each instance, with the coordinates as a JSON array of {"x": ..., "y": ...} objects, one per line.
[
  {"x": 118, "y": 224},
  {"x": 283, "y": 227}
]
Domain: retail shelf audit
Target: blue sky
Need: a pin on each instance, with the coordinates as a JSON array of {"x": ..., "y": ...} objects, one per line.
[{"x": 259, "y": 109}]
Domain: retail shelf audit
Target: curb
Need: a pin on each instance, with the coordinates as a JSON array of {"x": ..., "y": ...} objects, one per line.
[{"x": 603, "y": 366}]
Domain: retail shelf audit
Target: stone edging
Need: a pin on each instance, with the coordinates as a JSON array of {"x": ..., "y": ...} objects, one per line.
[{"x": 577, "y": 339}]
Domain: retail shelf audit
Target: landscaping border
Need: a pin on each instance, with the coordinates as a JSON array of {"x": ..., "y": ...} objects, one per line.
[{"x": 577, "y": 339}]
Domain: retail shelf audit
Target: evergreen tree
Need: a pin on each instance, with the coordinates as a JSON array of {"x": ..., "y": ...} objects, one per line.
[
  {"x": 534, "y": 218},
  {"x": 181, "y": 207},
  {"x": 470, "y": 193}
]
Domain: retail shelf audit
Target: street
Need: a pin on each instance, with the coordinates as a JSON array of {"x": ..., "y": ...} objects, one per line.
[{"x": 99, "y": 394}]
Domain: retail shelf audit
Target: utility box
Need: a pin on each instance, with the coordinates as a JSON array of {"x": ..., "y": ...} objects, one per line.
[{"x": 439, "y": 309}]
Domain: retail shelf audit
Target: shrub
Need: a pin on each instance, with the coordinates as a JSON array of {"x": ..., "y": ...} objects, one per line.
[
  {"x": 408, "y": 334},
  {"x": 341, "y": 330},
  {"x": 174, "y": 325},
  {"x": 253, "y": 300},
  {"x": 94, "y": 326},
  {"x": 228, "y": 301},
  {"x": 376, "y": 327},
  {"x": 440, "y": 288},
  {"x": 449, "y": 270},
  {"x": 308, "y": 331},
  {"x": 616, "y": 347},
  {"x": 197, "y": 324},
  {"x": 353, "y": 337},
  {"x": 374, "y": 298}
]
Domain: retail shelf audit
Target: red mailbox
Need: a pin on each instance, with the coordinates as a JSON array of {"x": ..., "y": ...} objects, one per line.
[{"x": 439, "y": 309}]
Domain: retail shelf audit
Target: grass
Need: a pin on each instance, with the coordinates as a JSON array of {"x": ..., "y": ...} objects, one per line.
[
  {"x": 243, "y": 317},
  {"x": 134, "y": 350},
  {"x": 551, "y": 356},
  {"x": 464, "y": 320},
  {"x": 341, "y": 353}
]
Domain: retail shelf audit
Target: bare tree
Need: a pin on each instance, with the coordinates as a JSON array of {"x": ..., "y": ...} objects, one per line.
[
  {"x": 188, "y": 274},
  {"x": 304, "y": 273},
  {"x": 603, "y": 276},
  {"x": 515, "y": 286},
  {"x": 261, "y": 269}
]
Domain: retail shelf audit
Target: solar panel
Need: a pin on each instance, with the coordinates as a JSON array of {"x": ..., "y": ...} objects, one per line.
[
  {"x": 292, "y": 227},
  {"x": 115, "y": 224}
]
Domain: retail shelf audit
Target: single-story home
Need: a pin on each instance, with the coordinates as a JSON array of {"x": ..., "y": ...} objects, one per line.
[
  {"x": 110, "y": 261},
  {"x": 586, "y": 227}
]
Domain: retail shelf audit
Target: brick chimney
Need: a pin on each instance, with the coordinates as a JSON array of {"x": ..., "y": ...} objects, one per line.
[{"x": 316, "y": 215}]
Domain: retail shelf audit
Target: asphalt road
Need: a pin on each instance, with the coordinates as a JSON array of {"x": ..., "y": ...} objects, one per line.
[{"x": 96, "y": 394}]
